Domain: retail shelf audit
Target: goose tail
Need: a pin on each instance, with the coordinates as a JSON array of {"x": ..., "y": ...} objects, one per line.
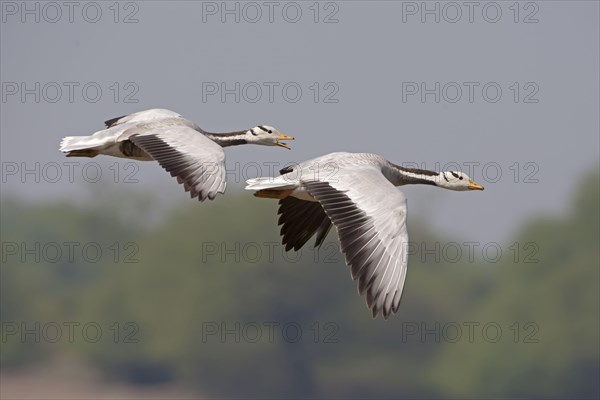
[
  {"x": 70, "y": 143},
  {"x": 270, "y": 188},
  {"x": 80, "y": 146},
  {"x": 268, "y": 183}
]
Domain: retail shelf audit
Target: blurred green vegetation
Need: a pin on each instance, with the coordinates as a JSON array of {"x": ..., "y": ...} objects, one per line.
[{"x": 548, "y": 311}]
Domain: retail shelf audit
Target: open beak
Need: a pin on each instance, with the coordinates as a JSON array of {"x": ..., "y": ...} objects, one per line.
[
  {"x": 474, "y": 186},
  {"x": 284, "y": 137}
]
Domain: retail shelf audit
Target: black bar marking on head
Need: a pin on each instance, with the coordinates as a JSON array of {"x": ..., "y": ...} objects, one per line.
[
  {"x": 454, "y": 174},
  {"x": 252, "y": 132},
  {"x": 444, "y": 175},
  {"x": 263, "y": 128}
]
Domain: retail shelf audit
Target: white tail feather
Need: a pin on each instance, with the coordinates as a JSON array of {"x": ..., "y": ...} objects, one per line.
[
  {"x": 269, "y": 183},
  {"x": 71, "y": 143}
]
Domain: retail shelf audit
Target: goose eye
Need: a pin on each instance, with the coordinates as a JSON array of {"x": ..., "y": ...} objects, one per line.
[
  {"x": 461, "y": 178},
  {"x": 270, "y": 131}
]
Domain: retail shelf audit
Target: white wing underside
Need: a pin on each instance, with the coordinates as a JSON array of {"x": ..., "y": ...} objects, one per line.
[
  {"x": 369, "y": 214},
  {"x": 196, "y": 161}
]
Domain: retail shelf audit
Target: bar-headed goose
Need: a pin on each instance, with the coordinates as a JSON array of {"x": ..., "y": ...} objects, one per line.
[
  {"x": 181, "y": 147},
  {"x": 355, "y": 192}
]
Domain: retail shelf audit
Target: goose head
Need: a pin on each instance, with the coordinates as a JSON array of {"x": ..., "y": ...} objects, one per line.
[
  {"x": 267, "y": 136},
  {"x": 455, "y": 180}
]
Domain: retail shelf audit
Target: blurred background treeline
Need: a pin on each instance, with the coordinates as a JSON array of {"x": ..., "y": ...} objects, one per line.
[{"x": 162, "y": 291}]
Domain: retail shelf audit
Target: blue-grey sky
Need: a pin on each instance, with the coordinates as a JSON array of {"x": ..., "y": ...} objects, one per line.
[{"x": 362, "y": 68}]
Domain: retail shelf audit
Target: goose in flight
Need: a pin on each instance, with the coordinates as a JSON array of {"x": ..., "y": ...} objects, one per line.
[
  {"x": 195, "y": 157},
  {"x": 355, "y": 192}
]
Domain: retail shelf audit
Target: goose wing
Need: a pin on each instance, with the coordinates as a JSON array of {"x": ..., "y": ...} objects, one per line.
[
  {"x": 300, "y": 220},
  {"x": 196, "y": 161},
  {"x": 142, "y": 116},
  {"x": 369, "y": 214}
]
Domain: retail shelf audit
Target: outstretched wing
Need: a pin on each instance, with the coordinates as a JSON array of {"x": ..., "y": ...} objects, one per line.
[
  {"x": 196, "y": 161},
  {"x": 369, "y": 214}
]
